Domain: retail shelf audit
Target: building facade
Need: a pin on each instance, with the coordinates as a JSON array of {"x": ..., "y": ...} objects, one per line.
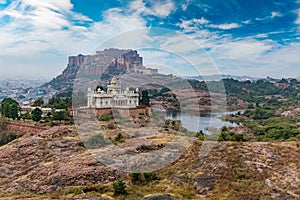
[{"x": 114, "y": 97}]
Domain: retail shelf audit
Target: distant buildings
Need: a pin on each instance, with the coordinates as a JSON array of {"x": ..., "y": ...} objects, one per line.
[
  {"x": 113, "y": 98},
  {"x": 45, "y": 111},
  {"x": 23, "y": 91}
]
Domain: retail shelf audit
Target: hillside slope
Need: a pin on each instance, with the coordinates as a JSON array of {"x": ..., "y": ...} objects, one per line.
[
  {"x": 55, "y": 160},
  {"x": 44, "y": 162}
]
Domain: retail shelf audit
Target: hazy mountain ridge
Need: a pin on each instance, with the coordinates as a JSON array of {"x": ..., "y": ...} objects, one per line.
[{"x": 217, "y": 77}]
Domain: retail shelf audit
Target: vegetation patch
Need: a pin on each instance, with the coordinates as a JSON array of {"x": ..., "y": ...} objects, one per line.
[
  {"x": 104, "y": 118},
  {"x": 138, "y": 178},
  {"x": 119, "y": 188},
  {"x": 96, "y": 141},
  {"x": 6, "y": 137}
]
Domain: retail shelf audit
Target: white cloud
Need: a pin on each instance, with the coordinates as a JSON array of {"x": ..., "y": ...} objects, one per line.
[
  {"x": 3, "y": 1},
  {"x": 246, "y": 22},
  {"x": 185, "y": 5},
  {"x": 242, "y": 49},
  {"x": 225, "y": 26},
  {"x": 298, "y": 19},
  {"x": 39, "y": 35},
  {"x": 254, "y": 55},
  {"x": 158, "y": 8},
  {"x": 169, "y": 61},
  {"x": 49, "y": 29},
  {"x": 38, "y": 27},
  {"x": 192, "y": 25},
  {"x": 271, "y": 16},
  {"x": 58, "y": 5},
  {"x": 275, "y": 14},
  {"x": 127, "y": 30}
]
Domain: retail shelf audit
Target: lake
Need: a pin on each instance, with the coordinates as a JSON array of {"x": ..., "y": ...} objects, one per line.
[{"x": 196, "y": 123}]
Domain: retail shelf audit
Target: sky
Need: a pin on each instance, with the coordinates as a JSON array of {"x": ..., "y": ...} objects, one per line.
[{"x": 238, "y": 37}]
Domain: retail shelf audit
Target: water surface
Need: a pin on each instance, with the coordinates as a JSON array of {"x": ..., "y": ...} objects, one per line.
[{"x": 202, "y": 122}]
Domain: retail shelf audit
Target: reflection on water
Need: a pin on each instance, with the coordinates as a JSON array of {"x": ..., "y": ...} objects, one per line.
[{"x": 201, "y": 122}]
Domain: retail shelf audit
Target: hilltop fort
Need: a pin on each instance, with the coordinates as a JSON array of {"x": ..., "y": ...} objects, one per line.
[{"x": 107, "y": 62}]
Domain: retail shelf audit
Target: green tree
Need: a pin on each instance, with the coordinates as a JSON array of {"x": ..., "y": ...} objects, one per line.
[
  {"x": 145, "y": 100},
  {"x": 60, "y": 115},
  {"x": 250, "y": 106},
  {"x": 165, "y": 89},
  {"x": 59, "y": 103},
  {"x": 10, "y": 108},
  {"x": 36, "y": 114},
  {"x": 27, "y": 115},
  {"x": 38, "y": 102},
  {"x": 263, "y": 113}
]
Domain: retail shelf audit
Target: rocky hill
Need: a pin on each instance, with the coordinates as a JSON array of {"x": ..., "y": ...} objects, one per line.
[
  {"x": 107, "y": 62},
  {"x": 54, "y": 164},
  {"x": 44, "y": 162}
]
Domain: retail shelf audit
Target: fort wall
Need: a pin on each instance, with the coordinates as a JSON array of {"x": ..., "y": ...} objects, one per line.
[
  {"x": 123, "y": 112},
  {"x": 21, "y": 127}
]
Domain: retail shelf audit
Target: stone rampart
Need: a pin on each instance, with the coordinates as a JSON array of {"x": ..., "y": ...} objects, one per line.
[{"x": 21, "y": 127}]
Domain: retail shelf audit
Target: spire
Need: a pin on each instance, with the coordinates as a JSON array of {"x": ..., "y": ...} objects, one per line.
[{"x": 114, "y": 80}]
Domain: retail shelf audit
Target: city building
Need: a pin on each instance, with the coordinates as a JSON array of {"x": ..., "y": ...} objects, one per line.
[{"x": 114, "y": 97}]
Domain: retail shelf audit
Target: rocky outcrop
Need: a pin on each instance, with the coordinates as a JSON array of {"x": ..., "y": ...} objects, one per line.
[
  {"x": 203, "y": 184},
  {"x": 108, "y": 61},
  {"x": 49, "y": 160},
  {"x": 291, "y": 113},
  {"x": 160, "y": 197},
  {"x": 247, "y": 170}
]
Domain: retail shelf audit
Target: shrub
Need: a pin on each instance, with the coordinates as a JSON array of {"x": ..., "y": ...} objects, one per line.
[
  {"x": 119, "y": 138},
  {"x": 111, "y": 126},
  {"x": 96, "y": 141},
  {"x": 104, "y": 118},
  {"x": 200, "y": 135},
  {"x": 237, "y": 137},
  {"x": 150, "y": 176},
  {"x": 263, "y": 113},
  {"x": 228, "y": 136},
  {"x": 119, "y": 188},
  {"x": 6, "y": 137},
  {"x": 60, "y": 115},
  {"x": 78, "y": 191},
  {"x": 136, "y": 178},
  {"x": 143, "y": 178},
  {"x": 81, "y": 144},
  {"x": 250, "y": 106}
]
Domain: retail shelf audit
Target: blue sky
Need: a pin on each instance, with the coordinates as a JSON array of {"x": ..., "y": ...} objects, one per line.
[{"x": 255, "y": 38}]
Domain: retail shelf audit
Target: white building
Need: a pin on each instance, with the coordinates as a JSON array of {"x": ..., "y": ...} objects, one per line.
[{"x": 113, "y": 98}]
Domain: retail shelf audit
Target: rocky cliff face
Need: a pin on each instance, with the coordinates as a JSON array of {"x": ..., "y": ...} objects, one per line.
[{"x": 107, "y": 62}]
